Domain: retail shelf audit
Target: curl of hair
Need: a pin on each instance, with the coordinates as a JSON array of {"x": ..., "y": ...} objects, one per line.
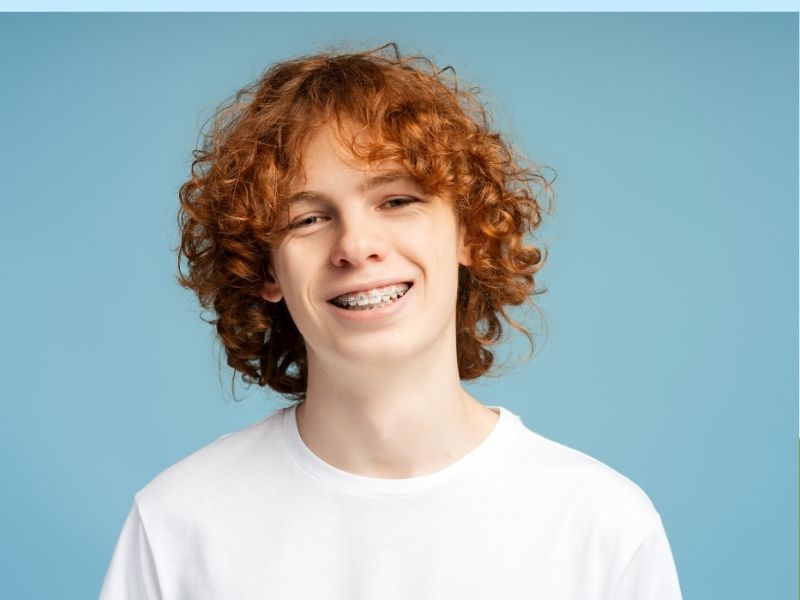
[{"x": 405, "y": 110}]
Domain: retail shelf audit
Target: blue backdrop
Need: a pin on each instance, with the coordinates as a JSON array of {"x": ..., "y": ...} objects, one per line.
[{"x": 672, "y": 320}]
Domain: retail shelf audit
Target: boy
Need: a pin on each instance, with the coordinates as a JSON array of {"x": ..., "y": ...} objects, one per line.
[{"x": 358, "y": 229}]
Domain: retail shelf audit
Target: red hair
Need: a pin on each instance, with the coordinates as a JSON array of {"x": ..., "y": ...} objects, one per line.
[{"x": 405, "y": 110}]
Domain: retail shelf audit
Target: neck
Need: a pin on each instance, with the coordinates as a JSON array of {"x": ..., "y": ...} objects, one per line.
[{"x": 391, "y": 421}]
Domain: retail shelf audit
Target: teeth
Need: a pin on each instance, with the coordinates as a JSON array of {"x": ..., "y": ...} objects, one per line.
[{"x": 372, "y": 297}]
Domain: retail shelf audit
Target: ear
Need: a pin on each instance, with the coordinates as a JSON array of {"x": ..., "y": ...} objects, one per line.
[{"x": 270, "y": 289}]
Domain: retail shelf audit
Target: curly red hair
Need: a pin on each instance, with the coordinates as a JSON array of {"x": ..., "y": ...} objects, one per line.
[{"x": 411, "y": 113}]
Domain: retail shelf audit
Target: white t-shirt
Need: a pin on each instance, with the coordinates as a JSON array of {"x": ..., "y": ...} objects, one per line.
[{"x": 257, "y": 515}]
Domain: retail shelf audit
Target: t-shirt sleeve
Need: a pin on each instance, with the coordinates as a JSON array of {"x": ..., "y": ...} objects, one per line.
[
  {"x": 132, "y": 573},
  {"x": 650, "y": 573}
]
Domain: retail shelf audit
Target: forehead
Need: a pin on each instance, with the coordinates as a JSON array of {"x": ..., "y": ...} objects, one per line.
[
  {"x": 329, "y": 146},
  {"x": 328, "y": 160}
]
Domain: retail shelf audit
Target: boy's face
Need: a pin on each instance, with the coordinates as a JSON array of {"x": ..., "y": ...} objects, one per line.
[{"x": 351, "y": 232}]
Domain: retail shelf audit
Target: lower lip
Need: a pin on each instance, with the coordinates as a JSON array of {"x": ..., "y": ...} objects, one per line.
[{"x": 374, "y": 315}]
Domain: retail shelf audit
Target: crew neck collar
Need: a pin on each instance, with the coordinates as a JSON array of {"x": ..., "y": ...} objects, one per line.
[{"x": 361, "y": 484}]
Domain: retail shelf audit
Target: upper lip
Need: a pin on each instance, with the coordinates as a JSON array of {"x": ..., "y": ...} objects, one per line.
[{"x": 359, "y": 287}]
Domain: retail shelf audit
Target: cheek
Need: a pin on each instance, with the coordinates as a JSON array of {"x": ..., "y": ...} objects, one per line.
[
  {"x": 440, "y": 242},
  {"x": 296, "y": 268},
  {"x": 436, "y": 254},
  {"x": 286, "y": 269}
]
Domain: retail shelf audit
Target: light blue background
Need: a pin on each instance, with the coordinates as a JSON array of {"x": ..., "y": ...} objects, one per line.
[
  {"x": 405, "y": 5},
  {"x": 672, "y": 278}
]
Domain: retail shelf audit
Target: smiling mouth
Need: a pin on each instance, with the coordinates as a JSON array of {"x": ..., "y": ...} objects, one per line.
[{"x": 372, "y": 299}]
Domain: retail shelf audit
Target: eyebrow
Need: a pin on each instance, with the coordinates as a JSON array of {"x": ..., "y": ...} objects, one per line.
[{"x": 365, "y": 186}]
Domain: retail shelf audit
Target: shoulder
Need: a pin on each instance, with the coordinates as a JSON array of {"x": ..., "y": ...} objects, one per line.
[
  {"x": 561, "y": 476},
  {"x": 596, "y": 512},
  {"x": 231, "y": 466}
]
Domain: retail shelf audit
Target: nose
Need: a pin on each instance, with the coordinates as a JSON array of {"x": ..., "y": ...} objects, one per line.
[{"x": 358, "y": 242}]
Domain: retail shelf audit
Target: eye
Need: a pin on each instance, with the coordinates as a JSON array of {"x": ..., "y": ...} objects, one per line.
[
  {"x": 305, "y": 222},
  {"x": 401, "y": 201}
]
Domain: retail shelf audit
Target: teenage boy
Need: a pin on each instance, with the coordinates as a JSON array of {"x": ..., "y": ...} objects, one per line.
[{"x": 358, "y": 228}]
